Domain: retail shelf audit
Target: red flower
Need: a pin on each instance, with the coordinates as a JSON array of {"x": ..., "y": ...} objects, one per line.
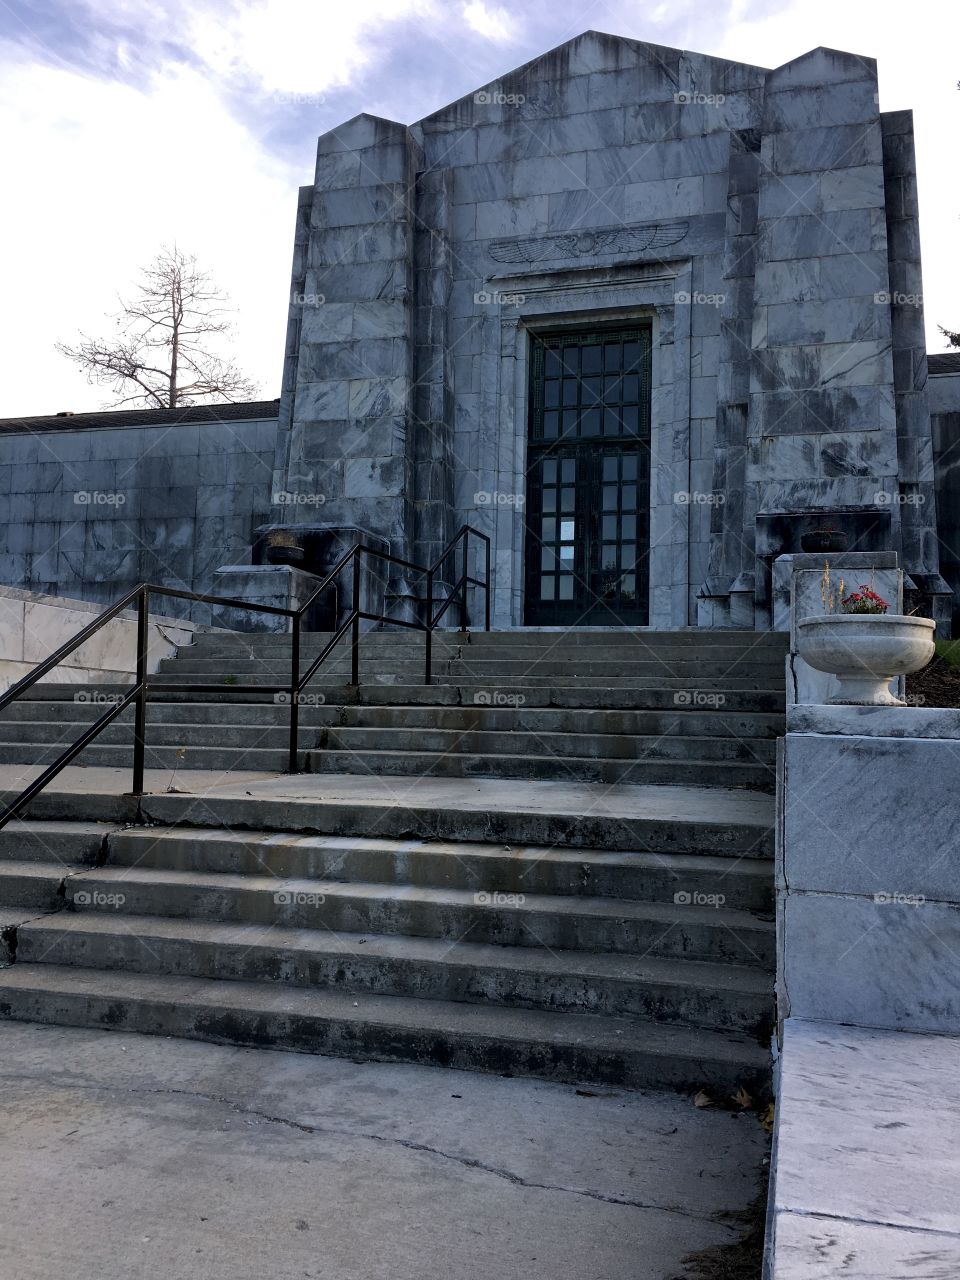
[{"x": 864, "y": 601}]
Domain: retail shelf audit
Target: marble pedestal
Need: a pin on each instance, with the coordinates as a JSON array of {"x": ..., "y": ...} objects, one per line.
[
  {"x": 276, "y": 585},
  {"x": 798, "y": 593}
]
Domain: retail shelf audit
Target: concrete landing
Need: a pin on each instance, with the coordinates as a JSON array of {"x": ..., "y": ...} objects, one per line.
[
  {"x": 478, "y": 795},
  {"x": 129, "y": 1155}
]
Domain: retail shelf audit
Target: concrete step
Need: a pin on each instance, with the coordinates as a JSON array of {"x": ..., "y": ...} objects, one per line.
[
  {"x": 744, "y": 884},
  {"x": 557, "y": 637},
  {"x": 684, "y": 666},
  {"x": 404, "y": 764},
  {"x": 656, "y": 697},
  {"x": 232, "y": 732},
  {"x": 480, "y": 717},
  {"x": 558, "y": 1046},
  {"x": 746, "y": 674},
  {"x": 718, "y": 997},
  {"x": 38, "y": 885},
  {"x": 361, "y": 737},
  {"x": 100, "y": 755},
  {"x": 505, "y": 919},
  {"x": 454, "y": 764},
  {"x": 681, "y": 666},
  {"x": 501, "y": 641},
  {"x": 708, "y": 691},
  {"x": 599, "y": 746},
  {"x": 66, "y": 843},
  {"x": 567, "y": 814}
]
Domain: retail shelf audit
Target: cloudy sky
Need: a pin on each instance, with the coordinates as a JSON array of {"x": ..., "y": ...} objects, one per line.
[{"x": 126, "y": 124}]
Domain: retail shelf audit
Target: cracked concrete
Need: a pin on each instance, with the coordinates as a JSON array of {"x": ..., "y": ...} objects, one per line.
[{"x": 130, "y": 1155}]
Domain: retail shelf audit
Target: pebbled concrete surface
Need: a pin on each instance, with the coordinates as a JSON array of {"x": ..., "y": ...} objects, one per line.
[{"x": 130, "y": 1155}]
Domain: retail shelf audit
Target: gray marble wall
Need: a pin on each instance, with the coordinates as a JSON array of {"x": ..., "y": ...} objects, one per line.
[
  {"x": 868, "y": 880},
  {"x": 88, "y": 514}
]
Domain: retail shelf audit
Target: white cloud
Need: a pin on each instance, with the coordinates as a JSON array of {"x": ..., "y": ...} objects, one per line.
[
  {"x": 490, "y": 21},
  {"x": 107, "y": 173},
  {"x": 293, "y": 47}
]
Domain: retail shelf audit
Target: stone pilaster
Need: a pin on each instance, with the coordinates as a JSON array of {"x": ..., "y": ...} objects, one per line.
[
  {"x": 348, "y": 394},
  {"x": 823, "y": 423},
  {"x": 434, "y": 461},
  {"x": 915, "y": 492},
  {"x": 731, "y": 565}
]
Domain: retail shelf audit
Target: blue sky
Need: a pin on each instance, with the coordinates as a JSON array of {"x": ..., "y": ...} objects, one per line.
[{"x": 126, "y": 125}]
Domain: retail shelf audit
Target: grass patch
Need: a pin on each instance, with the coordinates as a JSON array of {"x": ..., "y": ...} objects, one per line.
[{"x": 949, "y": 651}]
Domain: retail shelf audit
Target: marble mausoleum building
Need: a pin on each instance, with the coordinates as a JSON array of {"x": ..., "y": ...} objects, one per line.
[{"x": 646, "y": 316}]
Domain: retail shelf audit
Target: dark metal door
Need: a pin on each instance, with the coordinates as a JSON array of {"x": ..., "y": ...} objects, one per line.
[{"x": 588, "y": 480}]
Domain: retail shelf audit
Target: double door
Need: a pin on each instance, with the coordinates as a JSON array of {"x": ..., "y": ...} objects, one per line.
[{"x": 588, "y": 480}]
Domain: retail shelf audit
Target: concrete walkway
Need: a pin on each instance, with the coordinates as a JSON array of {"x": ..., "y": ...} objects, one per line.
[{"x": 136, "y": 1156}]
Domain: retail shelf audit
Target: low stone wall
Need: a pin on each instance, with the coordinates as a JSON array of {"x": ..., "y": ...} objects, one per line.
[
  {"x": 865, "y": 1157},
  {"x": 865, "y": 1177},
  {"x": 868, "y": 884},
  {"x": 89, "y": 511},
  {"x": 33, "y": 626}
]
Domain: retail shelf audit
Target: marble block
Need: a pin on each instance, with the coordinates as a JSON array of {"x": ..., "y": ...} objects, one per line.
[
  {"x": 866, "y": 1167},
  {"x": 868, "y": 881}
]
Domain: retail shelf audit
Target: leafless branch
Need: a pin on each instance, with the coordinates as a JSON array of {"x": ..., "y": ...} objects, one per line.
[{"x": 161, "y": 356}]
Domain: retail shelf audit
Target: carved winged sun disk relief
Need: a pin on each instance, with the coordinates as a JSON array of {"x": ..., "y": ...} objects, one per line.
[{"x": 588, "y": 244}]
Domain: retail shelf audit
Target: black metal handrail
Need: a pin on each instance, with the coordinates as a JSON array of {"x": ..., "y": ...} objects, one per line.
[{"x": 139, "y": 690}]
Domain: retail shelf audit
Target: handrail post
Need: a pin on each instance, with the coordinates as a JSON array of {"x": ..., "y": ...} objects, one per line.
[
  {"x": 140, "y": 709},
  {"x": 428, "y": 647},
  {"x": 355, "y": 642},
  {"x": 464, "y": 620},
  {"x": 294, "y": 694},
  {"x": 486, "y": 582}
]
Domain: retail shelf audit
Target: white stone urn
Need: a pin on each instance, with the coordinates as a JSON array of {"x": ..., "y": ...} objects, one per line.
[{"x": 865, "y": 651}]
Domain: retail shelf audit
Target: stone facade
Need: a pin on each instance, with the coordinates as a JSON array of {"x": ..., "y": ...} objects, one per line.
[{"x": 762, "y": 222}]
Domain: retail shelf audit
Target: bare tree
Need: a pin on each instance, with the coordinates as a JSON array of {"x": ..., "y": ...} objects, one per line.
[{"x": 161, "y": 356}]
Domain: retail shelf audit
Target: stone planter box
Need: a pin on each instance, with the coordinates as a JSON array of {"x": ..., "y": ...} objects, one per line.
[{"x": 865, "y": 652}]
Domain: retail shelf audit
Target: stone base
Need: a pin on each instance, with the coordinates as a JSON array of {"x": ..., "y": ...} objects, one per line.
[
  {"x": 323, "y": 546},
  {"x": 868, "y": 891},
  {"x": 876, "y": 722},
  {"x": 276, "y": 585}
]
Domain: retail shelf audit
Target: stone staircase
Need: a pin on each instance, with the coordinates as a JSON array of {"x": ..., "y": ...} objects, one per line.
[
  {"x": 453, "y": 886},
  {"x": 668, "y": 708}
]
